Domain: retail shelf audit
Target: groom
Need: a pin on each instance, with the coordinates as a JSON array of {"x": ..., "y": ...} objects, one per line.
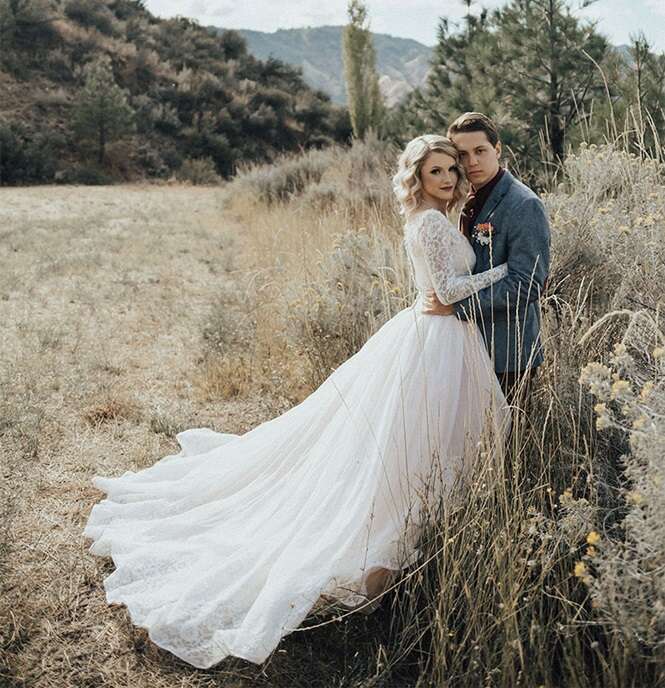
[{"x": 504, "y": 221}]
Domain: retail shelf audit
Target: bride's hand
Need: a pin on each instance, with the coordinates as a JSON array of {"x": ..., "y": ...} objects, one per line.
[{"x": 432, "y": 305}]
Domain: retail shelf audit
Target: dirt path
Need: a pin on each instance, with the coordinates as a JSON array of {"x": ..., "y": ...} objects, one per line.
[{"x": 104, "y": 294}]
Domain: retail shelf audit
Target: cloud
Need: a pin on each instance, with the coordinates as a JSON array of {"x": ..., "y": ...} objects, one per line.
[{"x": 416, "y": 19}]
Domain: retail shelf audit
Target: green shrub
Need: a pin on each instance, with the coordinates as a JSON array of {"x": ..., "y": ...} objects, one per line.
[
  {"x": 86, "y": 175},
  {"x": 25, "y": 158}
]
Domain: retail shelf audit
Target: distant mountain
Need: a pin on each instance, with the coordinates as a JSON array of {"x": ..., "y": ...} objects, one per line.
[{"x": 402, "y": 63}]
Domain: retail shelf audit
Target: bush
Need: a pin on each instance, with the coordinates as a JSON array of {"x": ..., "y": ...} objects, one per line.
[
  {"x": 356, "y": 291},
  {"x": 59, "y": 66},
  {"x": 152, "y": 161},
  {"x": 27, "y": 25},
  {"x": 25, "y": 158},
  {"x": 358, "y": 176},
  {"x": 92, "y": 15},
  {"x": 623, "y": 567},
  {"x": 199, "y": 171},
  {"x": 86, "y": 175},
  {"x": 288, "y": 177}
]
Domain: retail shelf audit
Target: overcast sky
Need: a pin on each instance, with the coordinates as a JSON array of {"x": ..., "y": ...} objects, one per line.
[{"x": 417, "y": 19}]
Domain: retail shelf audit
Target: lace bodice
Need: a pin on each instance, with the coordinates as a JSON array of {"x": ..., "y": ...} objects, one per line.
[{"x": 443, "y": 260}]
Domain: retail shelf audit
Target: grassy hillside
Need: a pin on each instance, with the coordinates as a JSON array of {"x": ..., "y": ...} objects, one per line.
[
  {"x": 402, "y": 63},
  {"x": 194, "y": 94}
]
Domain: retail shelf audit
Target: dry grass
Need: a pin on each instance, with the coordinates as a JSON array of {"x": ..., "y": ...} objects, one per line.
[
  {"x": 503, "y": 603},
  {"x": 104, "y": 294},
  {"x": 131, "y": 313}
]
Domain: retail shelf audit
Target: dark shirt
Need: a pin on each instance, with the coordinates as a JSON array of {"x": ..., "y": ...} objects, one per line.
[{"x": 475, "y": 201}]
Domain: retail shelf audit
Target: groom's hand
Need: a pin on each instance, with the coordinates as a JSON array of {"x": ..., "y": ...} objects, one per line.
[{"x": 433, "y": 306}]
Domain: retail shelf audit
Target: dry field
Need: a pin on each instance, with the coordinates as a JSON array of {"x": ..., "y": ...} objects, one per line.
[
  {"x": 104, "y": 294},
  {"x": 130, "y": 313}
]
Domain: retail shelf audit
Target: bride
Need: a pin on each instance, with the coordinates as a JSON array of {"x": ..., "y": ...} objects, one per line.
[{"x": 225, "y": 548}]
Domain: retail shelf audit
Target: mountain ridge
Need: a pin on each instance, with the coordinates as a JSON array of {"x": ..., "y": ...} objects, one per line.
[{"x": 402, "y": 63}]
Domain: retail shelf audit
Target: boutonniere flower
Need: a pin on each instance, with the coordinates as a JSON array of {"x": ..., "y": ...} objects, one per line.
[{"x": 483, "y": 233}]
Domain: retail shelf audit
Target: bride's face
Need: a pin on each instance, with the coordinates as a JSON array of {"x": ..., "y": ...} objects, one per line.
[{"x": 438, "y": 177}]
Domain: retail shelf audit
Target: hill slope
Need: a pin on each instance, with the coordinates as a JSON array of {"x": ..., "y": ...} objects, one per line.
[
  {"x": 194, "y": 93},
  {"x": 402, "y": 63}
]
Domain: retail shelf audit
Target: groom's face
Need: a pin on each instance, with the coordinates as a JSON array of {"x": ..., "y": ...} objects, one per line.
[{"x": 478, "y": 156}]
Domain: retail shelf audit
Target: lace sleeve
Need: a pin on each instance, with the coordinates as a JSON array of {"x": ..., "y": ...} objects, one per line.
[{"x": 438, "y": 242}]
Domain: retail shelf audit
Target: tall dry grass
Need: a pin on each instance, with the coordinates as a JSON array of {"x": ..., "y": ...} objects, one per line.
[
  {"x": 516, "y": 589},
  {"x": 132, "y": 313}
]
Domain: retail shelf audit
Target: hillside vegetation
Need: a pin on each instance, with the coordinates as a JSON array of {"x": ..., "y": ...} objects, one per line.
[
  {"x": 191, "y": 93},
  {"x": 402, "y": 63}
]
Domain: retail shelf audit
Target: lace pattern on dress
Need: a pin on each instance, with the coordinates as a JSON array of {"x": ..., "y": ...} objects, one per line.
[{"x": 437, "y": 236}]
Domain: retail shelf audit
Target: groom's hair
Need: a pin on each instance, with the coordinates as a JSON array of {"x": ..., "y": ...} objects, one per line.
[{"x": 475, "y": 121}]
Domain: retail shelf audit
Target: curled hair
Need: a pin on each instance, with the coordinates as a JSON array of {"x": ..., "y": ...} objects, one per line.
[{"x": 407, "y": 184}]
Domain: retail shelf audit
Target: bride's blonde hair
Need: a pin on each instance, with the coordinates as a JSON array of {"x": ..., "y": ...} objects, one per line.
[{"x": 406, "y": 182}]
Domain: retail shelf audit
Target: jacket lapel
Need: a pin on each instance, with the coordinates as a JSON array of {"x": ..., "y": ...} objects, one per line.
[{"x": 497, "y": 195}]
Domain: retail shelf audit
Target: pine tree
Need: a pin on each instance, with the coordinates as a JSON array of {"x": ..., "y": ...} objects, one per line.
[
  {"x": 457, "y": 82},
  {"x": 459, "y": 78},
  {"x": 548, "y": 71},
  {"x": 362, "y": 82},
  {"x": 102, "y": 113}
]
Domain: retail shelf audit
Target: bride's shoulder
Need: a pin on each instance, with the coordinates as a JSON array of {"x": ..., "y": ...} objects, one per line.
[{"x": 429, "y": 219}]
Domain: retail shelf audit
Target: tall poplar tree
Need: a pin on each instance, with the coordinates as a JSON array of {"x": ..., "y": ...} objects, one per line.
[{"x": 365, "y": 103}]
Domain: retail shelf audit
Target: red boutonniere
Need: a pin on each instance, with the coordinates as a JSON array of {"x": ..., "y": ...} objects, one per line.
[{"x": 483, "y": 233}]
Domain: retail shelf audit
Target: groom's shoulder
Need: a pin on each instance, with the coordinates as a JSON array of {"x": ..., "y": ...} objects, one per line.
[{"x": 519, "y": 192}]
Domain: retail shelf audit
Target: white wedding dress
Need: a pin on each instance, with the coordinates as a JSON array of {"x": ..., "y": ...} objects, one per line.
[{"x": 224, "y": 548}]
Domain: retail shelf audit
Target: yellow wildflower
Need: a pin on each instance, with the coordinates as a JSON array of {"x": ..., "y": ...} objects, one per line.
[
  {"x": 581, "y": 570},
  {"x": 593, "y": 538}
]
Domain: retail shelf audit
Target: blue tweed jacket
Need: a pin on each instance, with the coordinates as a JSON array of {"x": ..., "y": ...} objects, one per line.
[{"x": 508, "y": 312}]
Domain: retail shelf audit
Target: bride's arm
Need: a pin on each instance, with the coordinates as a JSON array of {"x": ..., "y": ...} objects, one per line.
[{"x": 438, "y": 242}]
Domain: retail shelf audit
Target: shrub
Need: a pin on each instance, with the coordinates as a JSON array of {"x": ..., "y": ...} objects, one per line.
[
  {"x": 25, "y": 158},
  {"x": 92, "y": 15},
  {"x": 623, "y": 566},
  {"x": 59, "y": 65},
  {"x": 356, "y": 291},
  {"x": 286, "y": 178},
  {"x": 199, "y": 171},
  {"x": 86, "y": 175},
  {"x": 229, "y": 339},
  {"x": 358, "y": 176}
]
